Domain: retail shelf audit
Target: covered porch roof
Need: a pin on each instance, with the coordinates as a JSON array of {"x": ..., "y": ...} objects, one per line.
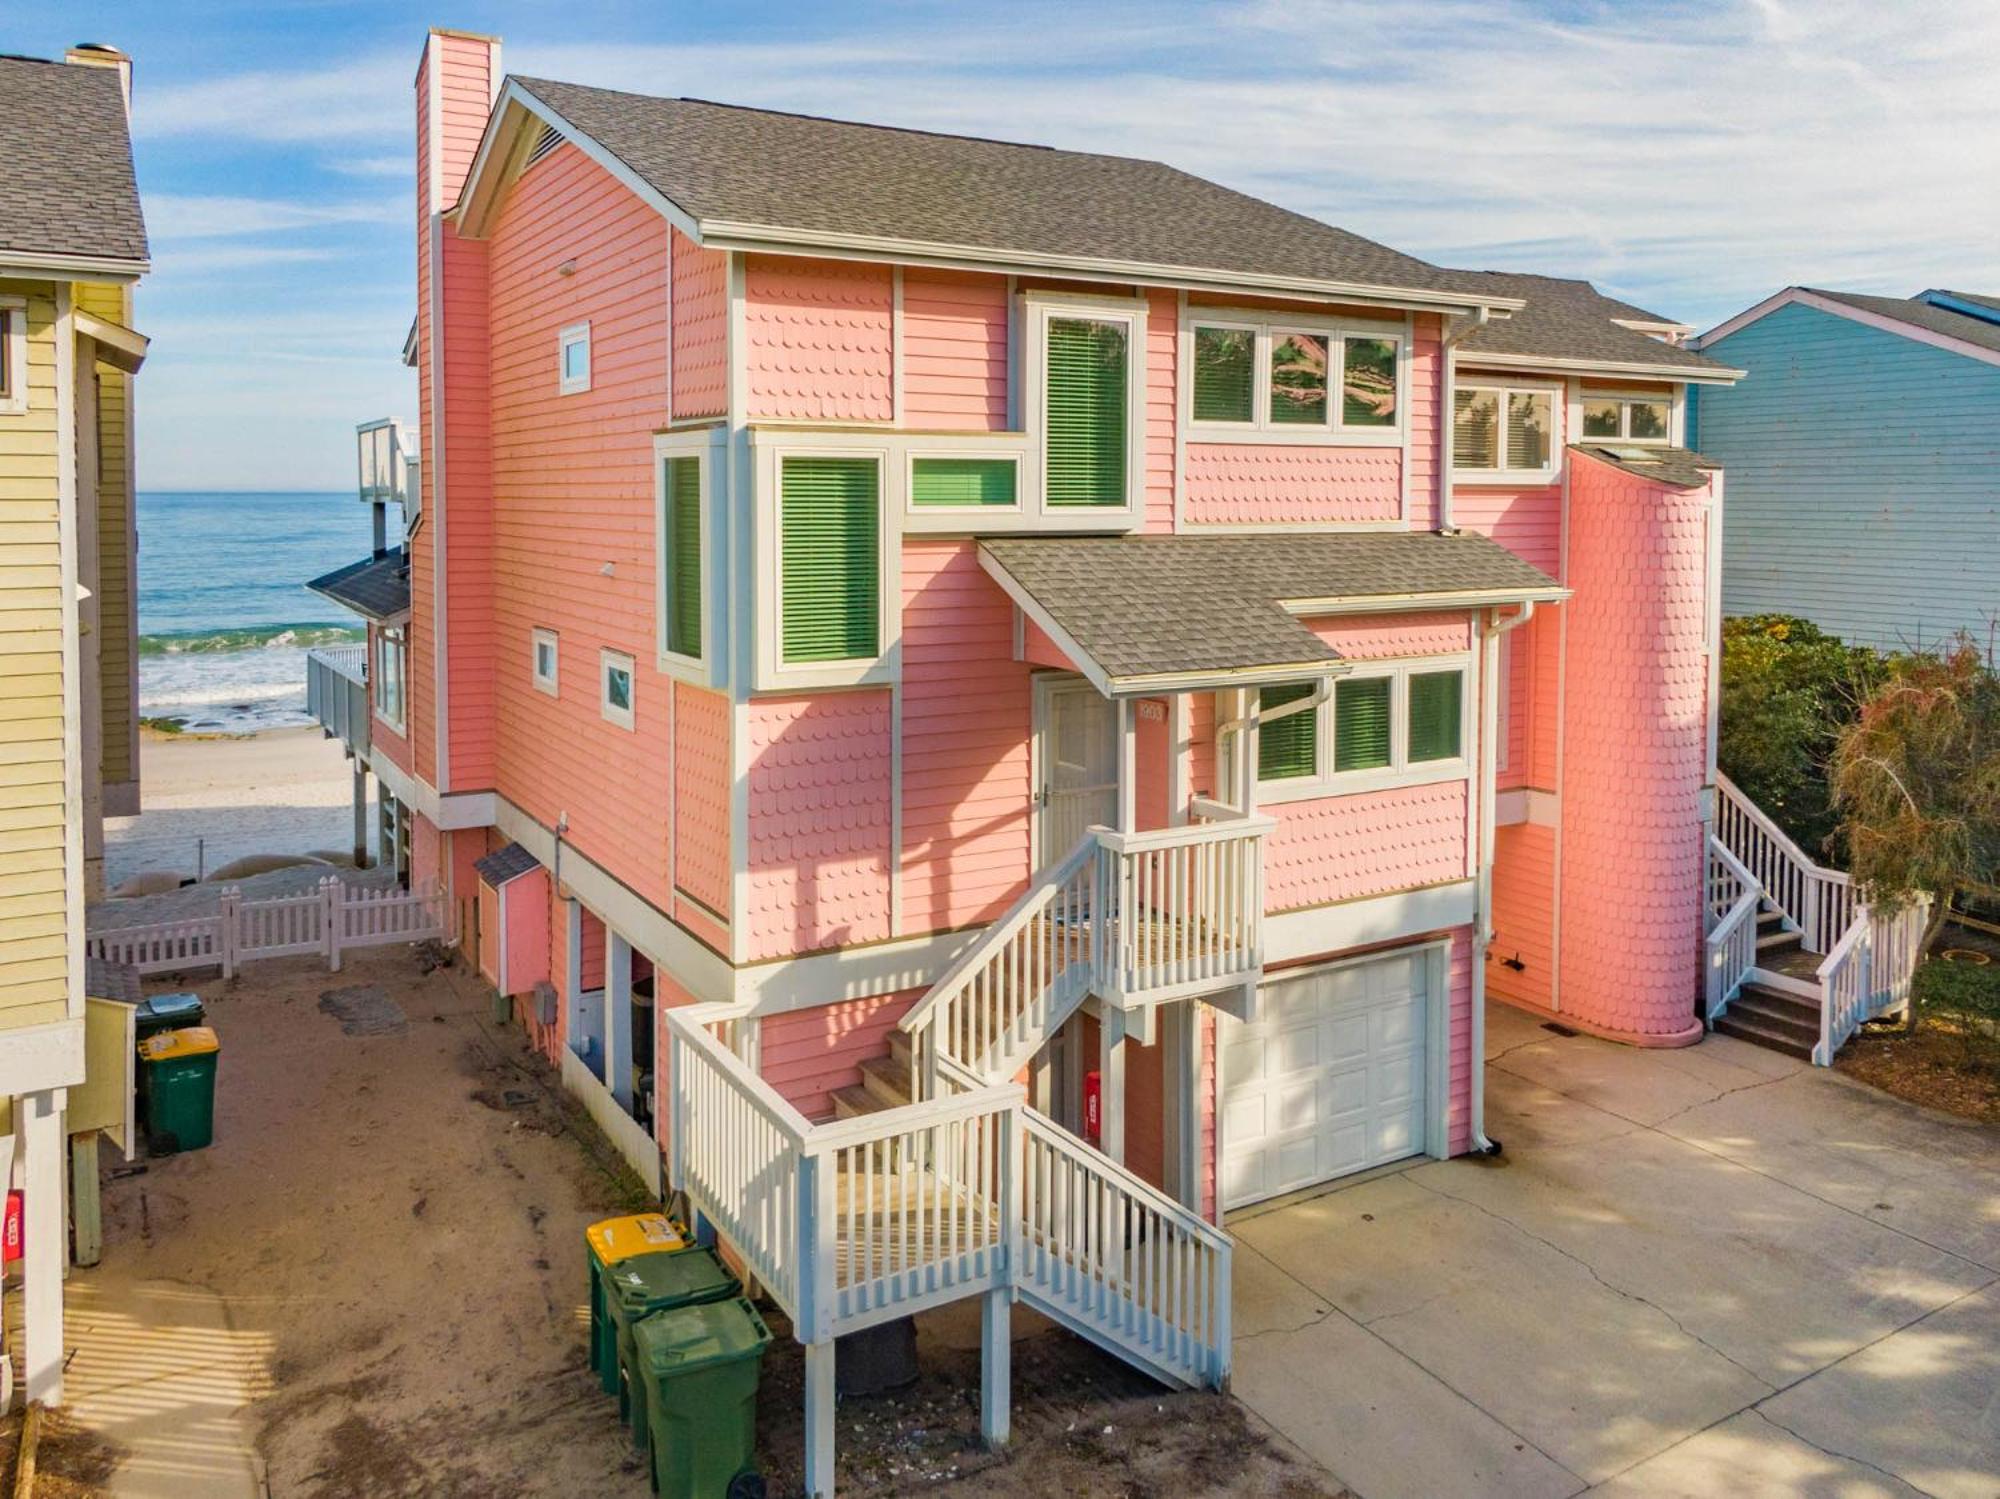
[
  {"x": 376, "y": 587},
  {"x": 1145, "y": 614}
]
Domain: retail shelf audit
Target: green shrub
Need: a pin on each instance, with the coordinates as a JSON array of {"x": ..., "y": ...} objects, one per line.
[{"x": 1788, "y": 689}]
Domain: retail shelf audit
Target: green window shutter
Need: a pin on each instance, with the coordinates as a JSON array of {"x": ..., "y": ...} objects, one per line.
[
  {"x": 961, "y": 482},
  {"x": 1088, "y": 384},
  {"x": 1361, "y": 724},
  {"x": 1289, "y": 748},
  {"x": 830, "y": 527},
  {"x": 684, "y": 556},
  {"x": 1435, "y": 703},
  {"x": 1225, "y": 374}
]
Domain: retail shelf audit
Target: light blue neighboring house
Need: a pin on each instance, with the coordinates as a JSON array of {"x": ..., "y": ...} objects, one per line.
[{"x": 1863, "y": 455}]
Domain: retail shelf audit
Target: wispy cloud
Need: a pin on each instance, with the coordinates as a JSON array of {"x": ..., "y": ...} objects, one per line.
[
  {"x": 219, "y": 216},
  {"x": 345, "y": 101},
  {"x": 372, "y": 166}
]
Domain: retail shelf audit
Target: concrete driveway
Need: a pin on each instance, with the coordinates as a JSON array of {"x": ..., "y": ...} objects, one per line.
[{"x": 1700, "y": 1272}]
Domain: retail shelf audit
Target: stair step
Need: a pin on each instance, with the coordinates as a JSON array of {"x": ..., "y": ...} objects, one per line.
[
  {"x": 899, "y": 1045},
  {"x": 1779, "y": 1013},
  {"x": 1759, "y": 1035},
  {"x": 888, "y": 1079},
  {"x": 850, "y": 1103},
  {"x": 1778, "y": 941},
  {"x": 1767, "y": 919}
]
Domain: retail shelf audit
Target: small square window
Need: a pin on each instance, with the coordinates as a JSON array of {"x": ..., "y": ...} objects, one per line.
[
  {"x": 573, "y": 359},
  {"x": 1602, "y": 419},
  {"x": 617, "y": 688},
  {"x": 545, "y": 660},
  {"x": 1298, "y": 379},
  {"x": 1647, "y": 421}
]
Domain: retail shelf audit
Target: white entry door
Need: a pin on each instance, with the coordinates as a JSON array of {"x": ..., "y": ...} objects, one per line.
[
  {"x": 1079, "y": 764},
  {"x": 1328, "y": 1079}
]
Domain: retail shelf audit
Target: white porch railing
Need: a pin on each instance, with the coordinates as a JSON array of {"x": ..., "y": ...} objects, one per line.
[
  {"x": 1184, "y": 908},
  {"x": 1731, "y": 913},
  {"x": 1868, "y": 973},
  {"x": 337, "y": 692},
  {"x": 855, "y": 1221},
  {"x": 329, "y": 920},
  {"x": 1818, "y": 901}
]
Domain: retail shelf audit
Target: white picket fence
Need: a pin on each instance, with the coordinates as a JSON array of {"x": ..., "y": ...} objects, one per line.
[{"x": 330, "y": 921}]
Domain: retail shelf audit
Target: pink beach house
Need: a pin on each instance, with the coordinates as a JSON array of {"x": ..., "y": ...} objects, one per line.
[{"x": 990, "y": 706}]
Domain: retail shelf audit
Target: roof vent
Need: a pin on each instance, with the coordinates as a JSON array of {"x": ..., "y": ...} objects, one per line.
[{"x": 546, "y": 142}]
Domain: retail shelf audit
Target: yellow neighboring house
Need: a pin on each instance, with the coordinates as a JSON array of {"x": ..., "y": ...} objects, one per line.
[{"x": 72, "y": 243}]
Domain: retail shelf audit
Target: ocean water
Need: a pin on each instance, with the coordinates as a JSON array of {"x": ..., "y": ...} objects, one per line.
[{"x": 225, "y": 618}]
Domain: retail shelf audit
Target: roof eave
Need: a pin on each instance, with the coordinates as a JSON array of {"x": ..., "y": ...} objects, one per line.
[
  {"x": 1713, "y": 374},
  {"x": 774, "y": 239},
  {"x": 41, "y": 265},
  {"x": 1148, "y": 684},
  {"x": 1479, "y": 598},
  {"x": 388, "y": 617}
]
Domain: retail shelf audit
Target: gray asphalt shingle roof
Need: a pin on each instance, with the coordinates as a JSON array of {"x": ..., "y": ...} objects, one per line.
[
  {"x": 1148, "y": 606},
  {"x": 727, "y": 164},
  {"x": 66, "y": 180},
  {"x": 378, "y": 587},
  {"x": 1569, "y": 319},
  {"x": 1680, "y": 468},
  {"x": 505, "y": 864},
  {"x": 1920, "y": 314}
]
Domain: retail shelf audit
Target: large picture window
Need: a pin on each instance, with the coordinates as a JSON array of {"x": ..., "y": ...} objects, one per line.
[{"x": 1385, "y": 723}]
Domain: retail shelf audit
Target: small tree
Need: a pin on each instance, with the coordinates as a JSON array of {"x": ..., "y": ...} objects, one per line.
[{"x": 1916, "y": 780}]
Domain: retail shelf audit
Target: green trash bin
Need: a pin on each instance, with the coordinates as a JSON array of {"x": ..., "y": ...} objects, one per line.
[
  {"x": 179, "y": 1068},
  {"x": 700, "y": 1365},
  {"x": 608, "y": 1243},
  {"x": 635, "y": 1289},
  {"x": 167, "y": 1012}
]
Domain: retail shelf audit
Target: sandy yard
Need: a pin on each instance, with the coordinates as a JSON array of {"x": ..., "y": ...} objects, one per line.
[
  {"x": 282, "y": 791},
  {"x": 373, "y": 1283}
]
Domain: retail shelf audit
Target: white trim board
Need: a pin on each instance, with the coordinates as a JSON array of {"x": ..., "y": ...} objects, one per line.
[{"x": 1803, "y": 297}]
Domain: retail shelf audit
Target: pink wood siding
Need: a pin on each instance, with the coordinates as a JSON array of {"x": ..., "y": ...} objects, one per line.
[
  {"x": 967, "y": 716},
  {"x": 1145, "y": 1111},
  {"x": 701, "y": 799},
  {"x": 821, "y": 339},
  {"x": 701, "y": 329},
  {"x": 1524, "y": 902},
  {"x": 527, "y": 902},
  {"x": 1205, "y": 1083},
  {"x": 1426, "y": 379},
  {"x": 1374, "y": 637},
  {"x": 1458, "y": 1114},
  {"x": 492, "y": 935},
  {"x": 819, "y": 822},
  {"x": 1162, "y": 354},
  {"x": 808, "y": 1054},
  {"x": 1153, "y": 755},
  {"x": 1242, "y": 483},
  {"x": 573, "y": 493},
  {"x": 592, "y": 940},
  {"x": 1369, "y": 843},
  {"x": 954, "y": 351},
  {"x": 1634, "y": 756},
  {"x": 1527, "y": 522},
  {"x": 1037, "y": 649},
  {"x": 469, "y": 639},
  {"x": 1201, "y": 745}
]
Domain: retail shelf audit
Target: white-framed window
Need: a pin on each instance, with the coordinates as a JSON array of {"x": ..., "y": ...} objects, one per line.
[
  {"x": 827, "y": 544},
  {"x": 1635, "y": 418},
  {"x": 1294, "y": 378},
  {"x": 617, "y": 687},
  {"x": 13, "y": 356},
  {"x": 1386, "y": 723},
  {"x": 545, "y": 660},
  {"x": 573, "y": 359},
  {"x": 1505, "y": 433},
  {"x": 391, "y": 672},
  {"x": 1084, "y": 363}
]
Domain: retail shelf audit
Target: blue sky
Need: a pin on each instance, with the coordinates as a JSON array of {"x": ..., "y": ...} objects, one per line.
[{"x": 1690, "y": 156}]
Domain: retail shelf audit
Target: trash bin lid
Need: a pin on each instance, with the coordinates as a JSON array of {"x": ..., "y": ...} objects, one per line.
[
  {"x": 172, "y": 1007},
  {"x": 615, "y": 1239},
  {"x": 189, "y": 1041},
  {"x": 643, "y": 1282},
  {"x": 689, "y": 1337}
]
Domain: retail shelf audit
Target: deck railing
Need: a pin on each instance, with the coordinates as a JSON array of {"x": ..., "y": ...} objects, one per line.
[
  {"x": 1818, "y": 901},
  {"x": 1731, "y": 939},
  {"x": 850, "y": 1222},
  {"x": 1868, "y": 973},
  {"x": 328, "y": 920},
  {"x": 1183, "y": 907},
  {"x": 337, "y": 692}
]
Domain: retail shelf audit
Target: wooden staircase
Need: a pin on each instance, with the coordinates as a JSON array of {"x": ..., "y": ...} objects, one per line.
[
  {"x": 1763, "y": 1013},
  {"x": 885, "y": 1082}
]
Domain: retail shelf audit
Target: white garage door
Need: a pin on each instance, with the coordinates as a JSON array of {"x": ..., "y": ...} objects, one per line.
[{"x": 1328, "y": 1079}]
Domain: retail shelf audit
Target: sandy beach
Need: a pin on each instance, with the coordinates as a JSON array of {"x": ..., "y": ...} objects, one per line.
[{"x": 206, "y": 800}]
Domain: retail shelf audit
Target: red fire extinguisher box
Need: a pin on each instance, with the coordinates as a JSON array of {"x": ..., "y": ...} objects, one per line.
[
  {"x": 10, "y": 1228},
  {"x": 1093, "y": 1107}
]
